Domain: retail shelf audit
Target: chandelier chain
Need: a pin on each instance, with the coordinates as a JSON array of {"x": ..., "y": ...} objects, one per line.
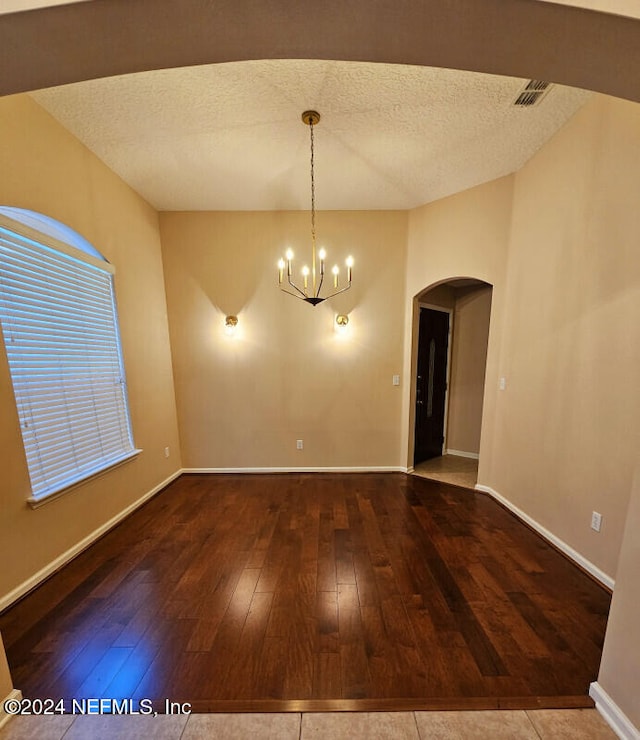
[{"x": 313, "y": 191}]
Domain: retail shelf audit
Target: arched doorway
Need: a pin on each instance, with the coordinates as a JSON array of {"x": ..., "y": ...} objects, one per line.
[{"x": 451, "y": 331}]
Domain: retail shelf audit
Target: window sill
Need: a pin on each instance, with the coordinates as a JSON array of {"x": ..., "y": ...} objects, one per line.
[{"x": 36, "y": 503}]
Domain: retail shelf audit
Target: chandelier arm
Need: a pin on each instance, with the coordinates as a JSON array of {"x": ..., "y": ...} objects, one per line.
[
  {"x": 320, "y": 285},
  {"x": 342, "y": 290},
  {"x": 295, "y": 287},
  {"x": 295, "y": 295}
]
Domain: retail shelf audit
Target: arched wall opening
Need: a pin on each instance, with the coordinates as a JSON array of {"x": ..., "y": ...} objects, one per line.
[
  {"x": 461, "y": 306},
  {"x": 548, "y": 41}
]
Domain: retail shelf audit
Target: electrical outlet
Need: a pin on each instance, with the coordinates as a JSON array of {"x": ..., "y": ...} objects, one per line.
[
  {"x": 299, "y": 444},
  {"x": 166, "y": 452},
  {"x": 596, "y": 521}
]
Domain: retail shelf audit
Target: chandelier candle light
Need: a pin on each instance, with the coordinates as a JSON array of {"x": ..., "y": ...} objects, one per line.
[{"x": 311, "y": 294}]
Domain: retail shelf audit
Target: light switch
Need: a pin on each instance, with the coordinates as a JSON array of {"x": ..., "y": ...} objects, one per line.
[
  {"x": 503, "y": 384},
  {"x": 396, "y": 380}
]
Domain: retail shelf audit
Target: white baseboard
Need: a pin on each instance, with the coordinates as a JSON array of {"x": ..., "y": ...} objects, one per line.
[
  {"x": 612, "y": 714},
  {"x": 460, "y": 453},
  {"x": 362, "y": 469},
  {"x": 598, "y": 574},
  {"x": 63, "y": 559},
  {"x": 15, "y": 695}
]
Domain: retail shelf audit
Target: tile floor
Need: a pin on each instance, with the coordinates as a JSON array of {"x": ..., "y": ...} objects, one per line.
[
  {"x": 538, "y": 724},
  {"x": 459, "y": 471}
]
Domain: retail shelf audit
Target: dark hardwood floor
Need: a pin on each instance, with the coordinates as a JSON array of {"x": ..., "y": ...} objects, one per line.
[{"x": 310, "y": 592}]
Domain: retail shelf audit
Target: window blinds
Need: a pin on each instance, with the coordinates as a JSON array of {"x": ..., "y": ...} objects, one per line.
[{"x": 59, "y": 322}]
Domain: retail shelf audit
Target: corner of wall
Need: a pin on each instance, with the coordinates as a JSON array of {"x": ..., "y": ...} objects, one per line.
[{"x": 7, "y": 692}]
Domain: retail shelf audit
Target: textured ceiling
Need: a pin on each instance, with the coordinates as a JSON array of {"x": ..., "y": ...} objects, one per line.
[{"x": 229, "y": 136}]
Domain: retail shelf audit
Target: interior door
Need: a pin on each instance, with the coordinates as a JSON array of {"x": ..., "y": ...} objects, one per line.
[{"x": 431, "y": 384}]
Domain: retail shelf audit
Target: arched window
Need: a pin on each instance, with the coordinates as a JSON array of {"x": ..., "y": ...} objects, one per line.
[{"x": 60, "y": 328}]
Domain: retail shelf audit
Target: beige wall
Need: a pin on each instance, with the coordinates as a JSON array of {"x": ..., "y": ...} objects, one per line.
[
  {"x": 465, "y": 235},
  {"x": 471, "y": 318},
  {"x": 442, "y": 296},
  {"x": 244, "y": 401},
  {"x": 6, "y": 685},
  {"x": 567, "y": 429},
  {"x": 620, "y": 668},
  {"x": 45, "y": 169}
]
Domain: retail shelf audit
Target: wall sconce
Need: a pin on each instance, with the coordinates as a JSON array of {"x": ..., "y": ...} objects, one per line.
[
  {"x": 230, "y": 324},
  {"x": 342, "y": 321}
]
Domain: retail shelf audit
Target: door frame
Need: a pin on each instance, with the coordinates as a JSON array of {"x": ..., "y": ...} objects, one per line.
[
  {"x": 450, "y": 311},
  {"x": 421, "y": 298}
]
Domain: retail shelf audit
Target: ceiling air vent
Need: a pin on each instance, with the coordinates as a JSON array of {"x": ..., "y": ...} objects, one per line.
[{"x": 532, "y": 93}]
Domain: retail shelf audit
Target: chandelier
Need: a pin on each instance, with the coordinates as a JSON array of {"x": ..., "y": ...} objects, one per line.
[{"x": 310, "y": 290}]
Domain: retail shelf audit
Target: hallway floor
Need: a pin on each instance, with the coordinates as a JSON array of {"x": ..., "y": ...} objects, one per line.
[
  {"x": 452, "y": 469},
  {"x": 538, "y": 724}
]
